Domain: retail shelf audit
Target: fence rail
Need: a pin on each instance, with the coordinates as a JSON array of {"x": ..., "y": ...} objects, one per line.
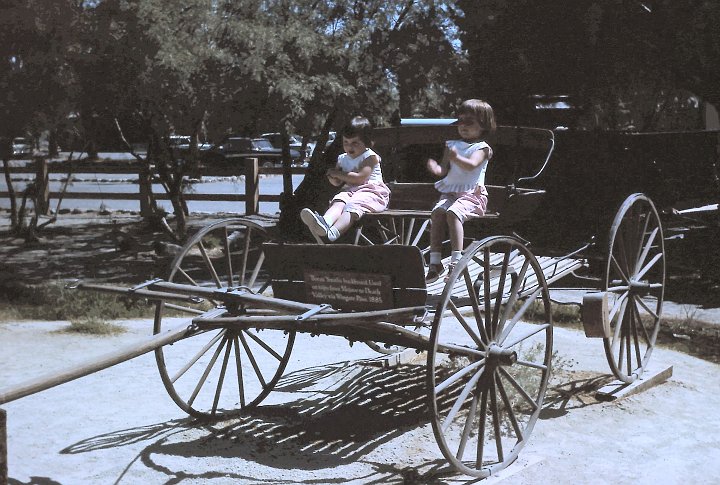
[{"x": 248, "y": 167}]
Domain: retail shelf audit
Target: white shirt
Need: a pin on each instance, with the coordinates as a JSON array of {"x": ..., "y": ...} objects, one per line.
[
  {"x": 459, "y": 179},
  {"x": 347, "y": 164}
]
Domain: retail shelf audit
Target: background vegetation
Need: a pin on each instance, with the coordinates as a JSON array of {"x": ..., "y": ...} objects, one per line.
[{"x": 110, "y": 73}]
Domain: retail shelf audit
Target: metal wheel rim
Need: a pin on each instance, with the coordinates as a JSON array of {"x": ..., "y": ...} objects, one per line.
[
  {"x": 640, "y": 262},
  {"x": 211, "y": 357},
  {"x": 494, "y": 393}
]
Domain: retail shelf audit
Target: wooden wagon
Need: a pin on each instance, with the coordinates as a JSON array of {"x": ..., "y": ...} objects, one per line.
[{"x": 232, "y": 303}]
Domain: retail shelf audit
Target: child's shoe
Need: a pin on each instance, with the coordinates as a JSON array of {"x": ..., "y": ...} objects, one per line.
[
  {"x": 315, "y": 222},
  {"x": 450, "y": 267},
  {"x": 435, "y": 271}
]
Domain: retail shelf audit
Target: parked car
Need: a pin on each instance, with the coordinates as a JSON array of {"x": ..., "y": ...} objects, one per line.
[
  {"x": 21, "y": 147},
  {"x": 313, "y": 142},
  {"x": 181, "y": 143},
  {"x": 237, "y": 147},
  {"x": 295, "y": 142}
]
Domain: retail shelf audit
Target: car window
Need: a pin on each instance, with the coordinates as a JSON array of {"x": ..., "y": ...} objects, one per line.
[
  {"x": 238, "y": 144},
  {"x": 262, "y": 144}
]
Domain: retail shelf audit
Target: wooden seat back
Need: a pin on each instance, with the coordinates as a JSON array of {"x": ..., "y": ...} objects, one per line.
[{"x": 347, "y": 277}]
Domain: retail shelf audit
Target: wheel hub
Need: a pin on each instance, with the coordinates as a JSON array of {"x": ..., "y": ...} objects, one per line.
[{"x": 498, "y": 356}]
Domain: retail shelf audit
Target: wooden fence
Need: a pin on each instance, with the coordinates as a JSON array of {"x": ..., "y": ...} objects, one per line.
[{"x": 248, "y": 167}]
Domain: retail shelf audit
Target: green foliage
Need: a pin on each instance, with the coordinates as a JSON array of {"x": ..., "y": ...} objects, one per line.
[
  {"x": 55, "y": 302},
  {"x": 93, "y": 326}
]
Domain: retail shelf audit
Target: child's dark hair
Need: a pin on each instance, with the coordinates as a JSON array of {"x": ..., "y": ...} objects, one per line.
[
  {"x": 482, "y": 112},
  {"x": 359, "y": 126}
]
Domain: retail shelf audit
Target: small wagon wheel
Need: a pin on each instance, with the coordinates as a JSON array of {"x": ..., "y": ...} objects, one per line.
[
  {"x": 490, "y": 356},
  {"x": 635, "y": 282},
  {"x": 223, "y": 369}
]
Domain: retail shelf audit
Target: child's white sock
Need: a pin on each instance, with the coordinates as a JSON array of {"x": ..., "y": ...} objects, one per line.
[
  {"x": 435, "y": 257},
  {"x": 455, "y": 256},
  {"x": 333, "y": 234}
]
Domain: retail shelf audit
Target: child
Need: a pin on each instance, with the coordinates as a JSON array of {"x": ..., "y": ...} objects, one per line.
[
  {"x": 364, "y": 191},
  {"x": 463, "y": 194}
]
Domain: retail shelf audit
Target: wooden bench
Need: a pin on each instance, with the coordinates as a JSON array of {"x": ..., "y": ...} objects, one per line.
[{"x": 408, "y": 215}]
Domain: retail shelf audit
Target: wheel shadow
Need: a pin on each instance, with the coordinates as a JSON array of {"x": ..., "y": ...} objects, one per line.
[
  {"x": 324, "y": 425},
  {"x": 572, "y": 390}
]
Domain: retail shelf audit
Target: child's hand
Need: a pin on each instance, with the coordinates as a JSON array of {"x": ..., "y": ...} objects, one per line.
[
  {"x": 434, "y": 167},
  {"x": 332, "y": 176},
  {"x": 452, "y": 154}
]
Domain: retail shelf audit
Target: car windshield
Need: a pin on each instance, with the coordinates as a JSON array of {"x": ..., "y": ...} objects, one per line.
[{"x": 19, "y": 141}]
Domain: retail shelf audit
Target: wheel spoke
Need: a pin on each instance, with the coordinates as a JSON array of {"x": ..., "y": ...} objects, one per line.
[
  {"x": 467, "y": 429},
  {"x": 527, "y": 363},
  {"x": 245, "y": 256},
  {"x": 496, "y": 421},
  {"x": 457, "y": 375},
  {"x": 647, "y": 246},
  {"x": 228, "y": 257},
  {"x": 647, "y": 308},
  {"x": 486, "y": 288},
  {"x": 642, "y": 325},
  {"x": 635, "y": 337},
  {"x": 616, "y": 306},
  {"x": 262, "y": 344},
  {"x": 465, "y": 325},
  {"x": 519, "y": 314},
  {"x": 519, "y": 388},
  {"x": 481, "y": 431},
  {"x": 475, "y": 303},
  {"x": 238, "y": 365},
  {"x": 209, "y": 264},
  {"x": 499, "y": 297},
  {"x": 615, "y": 263},
  {"x": 529, "y": 332},
  {"x": 461, "y": 398},
  {"x": 204, "y": 377},
  {"x": 508, "y": 406},
  {"x": 252, "y": 360},
  {"x": 619, "y": 325},
  {"x": 197, "y": 356},
  {"x": 514, "y": 292},
  {"x": 218, "y": 389},
  {"x": 647, "y": 267}
]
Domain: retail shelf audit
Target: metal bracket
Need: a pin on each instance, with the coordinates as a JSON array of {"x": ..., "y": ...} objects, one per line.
[
  {"x": 312, "y": 312},
  {"x": 144, "y": 284}
]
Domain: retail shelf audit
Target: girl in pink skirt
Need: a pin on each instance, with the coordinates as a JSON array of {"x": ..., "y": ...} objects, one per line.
[
  {"x": 463, "y": 194},
  {"x": 364, "y": 190}
]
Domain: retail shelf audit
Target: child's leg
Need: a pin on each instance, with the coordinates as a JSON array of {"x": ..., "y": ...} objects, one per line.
[
  {"x": 334, "y": 212},
  {"x": 437, "y": 229},
  {"x": 457, "y": 233},
  {"x": 342, "y": 224}
]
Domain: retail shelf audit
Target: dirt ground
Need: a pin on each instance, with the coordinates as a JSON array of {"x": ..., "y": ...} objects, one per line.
[
  {"x": 120, "y": 426},
  {"x": 325, "y": 423}
]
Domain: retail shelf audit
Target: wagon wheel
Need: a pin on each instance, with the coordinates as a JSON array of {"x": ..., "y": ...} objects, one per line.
[
  {"x": 635, "y": 282},
  {"x": 490, "y": 356},
  {"x": 223, "y": 369}
]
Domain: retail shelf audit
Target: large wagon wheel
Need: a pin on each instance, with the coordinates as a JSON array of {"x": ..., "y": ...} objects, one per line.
[
  {"x": 635, "y": 282},
  {"x": 490, "y": 356},
  {"x": 222, "y": 369}
]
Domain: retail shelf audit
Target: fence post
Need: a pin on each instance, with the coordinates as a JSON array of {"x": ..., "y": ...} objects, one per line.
[
  {"x": 252, "y": 186},
  {"x": 3, "y": 447},
  {"x": 42, "y": 183},
  {"x": 146, "y": 206}
]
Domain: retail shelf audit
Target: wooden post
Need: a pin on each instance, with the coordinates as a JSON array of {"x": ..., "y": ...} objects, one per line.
[
  {"x": 3, "y": 447},
  {"x": 42, "y": 182},
  {"x": 252, "y": 186},
  {"x": 146, "y": 206}
]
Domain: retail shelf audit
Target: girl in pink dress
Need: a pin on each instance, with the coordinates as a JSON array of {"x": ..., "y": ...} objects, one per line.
[
  {"x": 358, "y": 169},
  {"x": 463, "y": 194}
]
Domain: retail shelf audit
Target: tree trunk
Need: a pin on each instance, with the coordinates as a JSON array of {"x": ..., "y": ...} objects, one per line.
[{"x": 14, "y": 220}]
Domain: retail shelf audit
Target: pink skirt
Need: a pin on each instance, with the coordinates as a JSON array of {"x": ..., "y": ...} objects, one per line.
[
  {"x": 465, "y": 205},
  {"x": 360, "y": 199}
]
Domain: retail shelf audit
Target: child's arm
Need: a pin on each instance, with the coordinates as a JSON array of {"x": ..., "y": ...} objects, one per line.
[
  {"x": 439, "y": 169},
  {"x": 332, "y": 179},
  {"x": 356, "y": 178},
  {"x": 476, "y": 158}
]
